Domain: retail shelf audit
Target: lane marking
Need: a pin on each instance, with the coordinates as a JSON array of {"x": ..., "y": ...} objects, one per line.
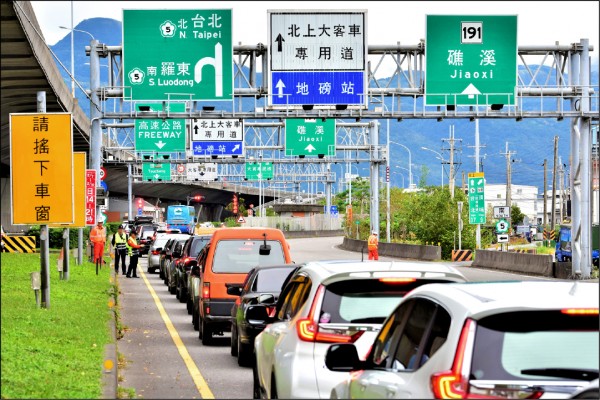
[{"x": 199, "y": 380}]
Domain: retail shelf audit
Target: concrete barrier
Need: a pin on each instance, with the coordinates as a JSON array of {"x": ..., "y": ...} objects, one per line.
[
  {"x": 529, "y": 264},
  {"x": 307, "y": 234},
  {"x": 400, "y": 250}
]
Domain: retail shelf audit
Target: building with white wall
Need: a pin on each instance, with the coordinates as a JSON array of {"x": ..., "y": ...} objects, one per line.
[{"x": 523, "y": 196}]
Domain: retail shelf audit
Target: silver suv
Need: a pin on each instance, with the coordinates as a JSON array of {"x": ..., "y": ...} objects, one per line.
[{"x": 479, "y": 340}]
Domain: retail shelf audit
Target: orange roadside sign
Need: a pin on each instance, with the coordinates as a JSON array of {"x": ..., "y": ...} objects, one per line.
[
  {"x": 80, "y": 162},
  {"x": 41, "y": 168}
]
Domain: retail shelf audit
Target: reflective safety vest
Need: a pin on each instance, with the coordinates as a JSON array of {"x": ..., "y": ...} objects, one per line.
[
  {"x": 97, "y": 235},
  {"x": 120, "y": 241},
  {"x": 133, "y": 246},
  {"x": 372, "y": 242}
]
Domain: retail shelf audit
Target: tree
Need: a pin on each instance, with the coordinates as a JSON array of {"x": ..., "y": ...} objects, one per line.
[{"x": 516, "y": 216}]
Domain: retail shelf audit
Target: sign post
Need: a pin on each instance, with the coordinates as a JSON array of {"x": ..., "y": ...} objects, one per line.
[
  {"x": 318, "y": 57},
  {"x": 476, "y": 198},
  {"x": 178, "y": 54},
  {"x": 471, "y": 60}
]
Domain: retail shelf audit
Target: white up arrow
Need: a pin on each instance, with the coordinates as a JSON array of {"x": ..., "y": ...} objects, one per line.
[
  {"x": 471, "y": 90},
  {"x": 280, "y": 87},
  {"x": 310, "y": 148}
]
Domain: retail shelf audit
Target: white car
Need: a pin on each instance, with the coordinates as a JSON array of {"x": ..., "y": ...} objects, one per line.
[
  {"x": 158, "y": 244},
  {"x": 515, "y": 340},
  {"x": 328, "y": 302}
]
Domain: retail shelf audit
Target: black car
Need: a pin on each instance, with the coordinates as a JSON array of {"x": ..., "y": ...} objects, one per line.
[
  {"x": 166, "y": 255},
  {"x": 190, "y": 251},
  {"x": 262, "y": 286}
]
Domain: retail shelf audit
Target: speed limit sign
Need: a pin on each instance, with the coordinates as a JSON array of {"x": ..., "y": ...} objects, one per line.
[{"x": 180, "y": 168}]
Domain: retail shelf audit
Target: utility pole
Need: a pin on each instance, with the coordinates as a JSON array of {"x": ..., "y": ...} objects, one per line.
[
  {"x": 545, "y": 194},
  {"x": 509, "y": 155},
  {"x": 553, "y": 202},
  {"x": 451, "y": 140},
  {"x": 561, "y": 178}
]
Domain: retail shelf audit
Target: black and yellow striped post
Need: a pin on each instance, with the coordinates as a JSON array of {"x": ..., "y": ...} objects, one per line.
[
  {"x": 19, "y": 244},
  {"x": 462, "y": 255}
]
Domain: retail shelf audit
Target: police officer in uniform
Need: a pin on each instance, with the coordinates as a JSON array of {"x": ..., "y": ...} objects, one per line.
[{"x": 119, "y": 241}]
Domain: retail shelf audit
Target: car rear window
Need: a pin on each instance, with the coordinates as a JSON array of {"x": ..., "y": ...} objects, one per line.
[
  {"x": 239, "y": 256},
  {"x": 530, "y": 345},
  {"x": 365, "y": 300},
  {"x": 197, "y": 246}
]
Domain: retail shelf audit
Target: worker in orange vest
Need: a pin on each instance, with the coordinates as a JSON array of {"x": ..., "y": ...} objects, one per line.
[
  {"x": 372, "y": 244},
  {"x": 98, "y": 239}
]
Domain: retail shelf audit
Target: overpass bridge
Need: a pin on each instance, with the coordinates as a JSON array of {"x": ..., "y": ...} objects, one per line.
[{"x": 28, "y": 67}]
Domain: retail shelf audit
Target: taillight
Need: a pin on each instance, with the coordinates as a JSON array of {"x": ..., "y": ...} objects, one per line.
[
  {"x": 580, "y": 311},
  {"x": 206, "y": 290},
  {"x": 308, "y": 329},
  {"x": 397, "y": 280},
  {"x": 155, "y": 253},
  {"x": 452, "y": 384}
]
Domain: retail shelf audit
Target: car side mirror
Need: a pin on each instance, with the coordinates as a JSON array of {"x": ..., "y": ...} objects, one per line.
[
  {"x": 159, "y": 249},
  {"x": 343, "y": 358},
  {"x": 176, "y": 254},
  {"x": 257, "y": 314},
  {"x": 266, "y": 298}
]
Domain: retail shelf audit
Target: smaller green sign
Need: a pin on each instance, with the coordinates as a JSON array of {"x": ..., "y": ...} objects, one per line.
[
  {"x": 156, "y": 172},
  {"x": 476, "y": 198},
  {"x": 160, "y": 136},
  {"x": 310, "y": 137},
  {"x": 502, "y": 226},
  {"x": 256, "y": 171}
]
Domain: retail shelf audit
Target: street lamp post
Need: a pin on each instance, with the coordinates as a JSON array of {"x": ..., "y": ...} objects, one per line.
[
  {"x": 440, "y": 158},
  {"x": 73, "y": 49},
  {"x": 410, "y": 175}
]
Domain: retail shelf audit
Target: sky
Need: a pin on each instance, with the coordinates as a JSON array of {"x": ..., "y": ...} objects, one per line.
[{"x": 389, "y": 22}]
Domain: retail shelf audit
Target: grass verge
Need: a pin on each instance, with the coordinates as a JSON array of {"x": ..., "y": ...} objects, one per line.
[{"x": 54, "y": 352}]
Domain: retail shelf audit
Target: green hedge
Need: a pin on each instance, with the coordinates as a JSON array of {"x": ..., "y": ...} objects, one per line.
[{"x": 56, "y": 235}]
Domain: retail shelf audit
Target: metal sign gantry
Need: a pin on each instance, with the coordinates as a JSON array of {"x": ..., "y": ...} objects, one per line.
[{"x": 403, "y": 91}]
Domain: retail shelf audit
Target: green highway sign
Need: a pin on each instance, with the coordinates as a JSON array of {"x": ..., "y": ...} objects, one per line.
[
  {"x": 156, "y": 172},
  {"x": 476, "y": 198},
  {"x": 256, "y": 171},
  {"x": 178, "y": 54},
  {"x": 471, "y": 59},
  {"x": 160, "y": 135},
  {"x": 310, "y": 137}
]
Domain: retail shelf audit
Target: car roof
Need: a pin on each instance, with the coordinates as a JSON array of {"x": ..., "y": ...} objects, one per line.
[
  {"x": 479, "y": 299},
  {"x": 334, "y": 270}
]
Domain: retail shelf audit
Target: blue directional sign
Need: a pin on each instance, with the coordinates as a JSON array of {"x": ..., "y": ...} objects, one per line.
[
  {"x": 217, "y": 148},
  {"x": 318, "y": 57},
  {"x": 306, "y": 87},
  {"x": 333, "y": 210}
]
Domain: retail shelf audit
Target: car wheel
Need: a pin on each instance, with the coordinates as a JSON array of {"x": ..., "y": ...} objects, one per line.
[
  {"x": 182, "y": 294},
  {"x": 206, "y": 333},
  {"x": 273, "y": 387},
  {"x": 243, "y": 353},
  {"x": 195, "y": 321},
  {"x": 234, "y": 345},
  {"x": 161, "y": 274},
  {"x": 172, "y": 289},
  {"x": 256, "y": 392},
  {"x": 190, "y": 306}
]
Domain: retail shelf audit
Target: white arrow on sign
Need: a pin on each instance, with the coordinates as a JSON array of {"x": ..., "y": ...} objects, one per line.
[
  {"x": 280, "y": 85},
  {"x": 156, "y": 176},
  {"x": 471, "y": 90},
  {"x": 502, "y": 238},
  {"x": 310, "y": 148},
  {"x": 237, "y": 146},
  {"x": 160, "y": 144}
]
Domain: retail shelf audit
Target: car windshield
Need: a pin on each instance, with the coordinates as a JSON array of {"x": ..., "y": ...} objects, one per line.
[
  {"x": 239, "y": 256},
  {"x": 533, "y": 345}
]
